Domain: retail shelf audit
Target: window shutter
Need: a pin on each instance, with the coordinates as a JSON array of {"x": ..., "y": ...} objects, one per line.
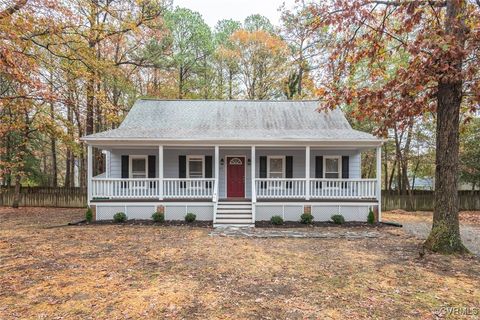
[
  {"x": 345, "y": 167},
  {"x": 318, "y": 170},
  {"x": 152, "y": 170},
  {"x": 182, "y": 166},
  {"x": 319, "y": 167},
  {"x": 208, "y": 170},
  {"x": 289, "y": 170},
  {"x": 182, "y": 169},
  {"x": 263, "y": 170},
  {"x": 151, "y": 166},
  {"x": 125, "y": 167},
  {"x": 263, "y": 167},
  {"x": 124, "y": 173},
  {"x": 208, "y": 167}
]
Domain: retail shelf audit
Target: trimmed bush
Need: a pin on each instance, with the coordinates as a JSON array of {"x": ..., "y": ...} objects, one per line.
[
  {"x": 89, "y": 215},
  {"x": 120, "y": 217},
  {"x": 158, "y": 217},
  {"x": 306, "y": 218},
  {"x": 338, "y": 219},
  {"x": 371, "y": 217},
  {"x": 190, "y": 217},
  {"x": 276, "y": 220}
]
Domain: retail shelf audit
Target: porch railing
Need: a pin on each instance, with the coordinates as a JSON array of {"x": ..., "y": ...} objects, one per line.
[
  {"x": 343, "y": 188},
  {"x": 188, "y": 188},
  {"x": 280, "y": 188},
  {"x": 115, "y": 188},
  {"x": 125, "y": 188},
  {"x": 273, "y": 188}
]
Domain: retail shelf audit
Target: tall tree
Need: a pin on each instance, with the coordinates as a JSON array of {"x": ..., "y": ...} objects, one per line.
[
  {"x": 262, "y": 61},
  {"x": 439, "y": 75},
  {"x": 257, "y": 22},
  {"x": 226, "y": 62},
  {"x": 191, "y": 44},
  {"x": 305, "y": 41}
]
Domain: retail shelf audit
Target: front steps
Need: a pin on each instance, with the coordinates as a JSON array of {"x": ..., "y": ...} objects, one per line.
[{"x": 234, "y": 214}]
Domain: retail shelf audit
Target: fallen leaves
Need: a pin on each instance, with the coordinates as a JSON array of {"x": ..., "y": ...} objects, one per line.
[{"x": 151, "y": 272}]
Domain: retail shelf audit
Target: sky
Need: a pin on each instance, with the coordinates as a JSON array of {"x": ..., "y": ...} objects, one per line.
[{"x": 214, "y": 10}]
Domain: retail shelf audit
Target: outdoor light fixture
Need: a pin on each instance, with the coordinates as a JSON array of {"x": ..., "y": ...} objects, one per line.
[
  {"x": 222, "y": 162},
  {"x": 249, "y": 161}
]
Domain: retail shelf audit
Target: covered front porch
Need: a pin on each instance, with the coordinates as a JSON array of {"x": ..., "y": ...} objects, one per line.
[{"x": 213, "y": 173}]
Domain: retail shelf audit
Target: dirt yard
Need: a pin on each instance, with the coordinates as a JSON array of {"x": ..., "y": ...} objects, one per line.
[
  {"x": 50, "y": 271},
  {"x": 419, "y": 225}
]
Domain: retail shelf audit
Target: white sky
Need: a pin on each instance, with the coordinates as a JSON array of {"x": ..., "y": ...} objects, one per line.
[{"x": 214, "y": 10}]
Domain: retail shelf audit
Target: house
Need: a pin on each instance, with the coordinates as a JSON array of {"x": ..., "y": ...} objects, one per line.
[{"x": 233, "y": 163}]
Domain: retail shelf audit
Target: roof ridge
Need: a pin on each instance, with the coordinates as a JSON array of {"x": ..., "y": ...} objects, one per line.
[{"x": 224, "y": 100}]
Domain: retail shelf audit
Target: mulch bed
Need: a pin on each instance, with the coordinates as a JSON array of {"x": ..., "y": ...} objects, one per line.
[
  {"x": 318, "y": 224},
  {"x": 176, "y": 223}
]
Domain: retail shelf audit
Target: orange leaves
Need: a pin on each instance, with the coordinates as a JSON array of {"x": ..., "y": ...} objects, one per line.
[
  {"x": 387, "y": 60},
  {"x": 259, "y": 38}
]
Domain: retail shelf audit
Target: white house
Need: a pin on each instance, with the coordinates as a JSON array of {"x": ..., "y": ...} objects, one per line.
[{"x": 233, "y": 163}]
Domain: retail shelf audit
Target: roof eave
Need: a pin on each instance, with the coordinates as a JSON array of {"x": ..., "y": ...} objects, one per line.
[{"x": 157, "y": 141}]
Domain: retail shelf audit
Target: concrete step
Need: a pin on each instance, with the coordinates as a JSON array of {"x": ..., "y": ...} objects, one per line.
[
  {"x": 241, "y": 225},
  {"x": 233, "y": 211},
  {"x": 234, "y": 216},
  {"x": 239, "y": 206},
  {"x": 234, "y": 202},
  {"x": 234, "y": 221}
]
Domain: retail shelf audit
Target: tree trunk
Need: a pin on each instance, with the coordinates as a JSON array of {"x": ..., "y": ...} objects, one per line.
[
  {"x": 385, "y": 166},
  {"x": 230, "y": 84},
  {"x": 445, "y": 234},
  {"x": 390, "y": 182},
  {"x": 53, "y": 148},
  {"x": 180, "y": 83},
  {"x": 16, "y": 196},
  {"x": 90, "y": 106}
]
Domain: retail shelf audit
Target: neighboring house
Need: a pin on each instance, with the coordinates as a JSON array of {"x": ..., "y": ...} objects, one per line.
[{"x": 233, "y": 163}]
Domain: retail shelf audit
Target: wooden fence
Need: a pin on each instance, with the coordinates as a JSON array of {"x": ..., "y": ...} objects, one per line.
[
  {"x": 425, "y": 200},
  {"x": 77, "y": 198},
  {"x": 46, "y": 197}
]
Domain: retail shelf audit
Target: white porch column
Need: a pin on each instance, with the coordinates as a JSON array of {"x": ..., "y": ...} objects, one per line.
[
  {"x": 254, "y": 191},
  {"x": 216, "y": 161},
  {"x": 379, "y": 182},
  {"x": 160, "y": 172},
  {"x": 217, "y": 171},
  {"x": 89, "y": 173},
  {"x": 307, "y": 173}
]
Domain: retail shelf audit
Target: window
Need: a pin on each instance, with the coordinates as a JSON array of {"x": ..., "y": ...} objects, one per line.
[
  {"x": 276, "y": 167},
  {"x": 332, "y": 167},
  {"x": 195, "y": 167},
  {"x": 138, "y": 167}
]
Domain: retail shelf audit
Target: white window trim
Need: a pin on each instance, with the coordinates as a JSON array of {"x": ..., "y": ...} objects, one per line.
[
  {"x": 339, "y": 158},
  {"x": 130, "y": 158},
  {"x": 188, "y": 165},
  {"x": 283, "y": 165}
]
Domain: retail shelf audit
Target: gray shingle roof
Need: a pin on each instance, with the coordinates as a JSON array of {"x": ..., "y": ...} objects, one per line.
[{"x": 232, "y": 120}]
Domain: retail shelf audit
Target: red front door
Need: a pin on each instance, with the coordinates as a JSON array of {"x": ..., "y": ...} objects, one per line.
[{"x": 235, "y": 177}]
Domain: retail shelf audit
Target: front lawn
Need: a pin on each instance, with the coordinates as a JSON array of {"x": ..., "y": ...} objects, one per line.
[{"x": 131, "y": 271}]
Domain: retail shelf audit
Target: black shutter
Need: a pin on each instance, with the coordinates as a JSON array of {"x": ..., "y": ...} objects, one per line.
[
  {"x": 263, "y": 170},
  {"x": 319, "y": 170},
  {"x": 345, "y": 169},
  {"x": 182, "y": 169},
  {"x": 151, "y": 166},
  {"x": 289, "y": 169},
  {"x": 345, "y": 166},
  {"x": 208, "y": 170},
  {"x": 125, "y": 170},
  {"x": 151, "y": 170}
]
